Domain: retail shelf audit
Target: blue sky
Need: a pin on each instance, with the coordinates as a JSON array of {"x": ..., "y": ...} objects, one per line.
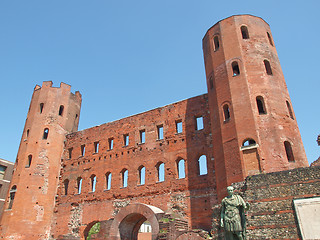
[{"x": 127, "y": 57}]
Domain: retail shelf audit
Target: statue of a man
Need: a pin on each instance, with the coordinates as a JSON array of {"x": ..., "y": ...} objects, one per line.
[{"x": 232, "y": 216}]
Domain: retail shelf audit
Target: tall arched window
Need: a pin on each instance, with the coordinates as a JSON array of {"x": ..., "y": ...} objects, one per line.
[
  {"x": 12, "y": 193},
  {"x": 61, "y": 110},
  {"x": 79, "y": 184},
  {"x": 108, "y": 180},
  {"x": 235, "y": 68},
  {"x": 142, "y": 175},
  {"x": 289, "y": 151},
  {"x": 226, "y": 112},
  {"x": 268, "y": 67},
  {"x": 181, "y": 168},
  {"x": 216, "y": 43},
  {"x": 160, "y": 171},
  {"x": 93, "y": 179},
  {"x": 289, "y": 110},
  {"x": 260, "y": 105},
  {"x": 45, "y": 133},
  {"x": 41, "y": 107},
  {"x": 66, "y": 185},
  {"x": 29, "y": 161},
  {"x": 124, "y": 177},
  {"x": 244, "y": 32},
  {"x": 269, "y": 38},
  {"x": 203, "y": 170}
]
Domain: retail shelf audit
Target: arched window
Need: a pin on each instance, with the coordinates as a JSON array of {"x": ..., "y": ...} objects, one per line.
[
  {"x": 260, "y": 105},
  {"x": 226, "y": 112},
  {"x": 93, "y": 179},
  {"x": 12, "y": 192},
  {"x": 289, "y": 151},
  {"x": 289, "y": 110},
  {"x": 248, "y": 142},
  {"x": 269, "y": 38},
  {"x": 108, "y": 180},
  {"x": 268, "y": 67},
  {"x": 124, "y": 177},
  {"x": 203, "y": 170},
  {"x": 181, "y": 168},
  {"x": 142, "y": 175},
  {"x": 66, "y": 185},
  {"x": 244, "y": 32},
  {"x": 29, "y": 161},
  {"x": 216, "y": 43},
  {"x": 79, "y": 184},
  {"x": 41, "y": 107},
  {"x": 160, "y": 171},
  {"x": 235, "y": 68},
  {"x": 45, "y": 133},
  {"x": 61, "y": 110}
]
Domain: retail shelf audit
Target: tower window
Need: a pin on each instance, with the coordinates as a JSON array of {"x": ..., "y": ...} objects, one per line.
[
  {"x": 45, "y": 133},
  {"x": 79, "y": 184},
  {"x": 211, "y": 82},
  {"x": 142, "y": 175},
  {"x": 61, "y": 110},
  {"x": 179, "y": 126},
  {"x": 248, "y": 142},
  {"x": 83, "y": 149},
  {"x": 244, "y": 32},
  {"x": 269, "y": 38},
  {"x": 199, "y": 121},
  {"x": 66, "y": 185},
  {"x": 70, "y": 153},
  {"x": 126, "y": 139},
  {"x": 142, "y": 134},
  {"x": 235, "y": 68},
  {"x": 216, "y": 43},
  {"x": 289, "y": 110},
  {"x": 28, "y": 133},
  {"x": 124, "y": 176},
  {"x": 226, "y": 112},
  {"x": 29, "y": 161},
  {"x": 93, "y": 179},
  {"x": 96, "y": 147},
  {"x": 268, "y": 67},
  {"x": 203, "y": 165},
  {"x": 160, "y": 131},
  {"x": 108, "y": 180},
  {"x": 260, "y": 105},
  {"x": 110, "y": 141},
  {"x": 160, "y": 171},
  {"x": 181, "y": 169},
  {"x": 41, "y": 107},
  {"x": 289, "y": 151},
  {"x": 12, "y": 192}
]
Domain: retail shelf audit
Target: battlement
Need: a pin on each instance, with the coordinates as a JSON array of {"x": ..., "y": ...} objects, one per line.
[{"x": 64, "y": 86}]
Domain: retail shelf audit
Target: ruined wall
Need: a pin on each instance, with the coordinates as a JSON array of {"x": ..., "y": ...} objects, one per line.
[{"x": 189, "y": 198}]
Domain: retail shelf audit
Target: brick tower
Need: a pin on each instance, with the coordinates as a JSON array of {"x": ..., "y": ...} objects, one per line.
[
  {"x": 53, "y": 113},
  {"x": 253, "y": 124}
]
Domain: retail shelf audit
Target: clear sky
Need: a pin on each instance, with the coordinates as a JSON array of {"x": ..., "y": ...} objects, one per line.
[{"x": 127, "y": 57}]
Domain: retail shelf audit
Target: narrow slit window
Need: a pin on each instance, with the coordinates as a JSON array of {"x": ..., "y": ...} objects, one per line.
[
  {"x": 124, "y": 175},
  {"x": 66, "y": 185},
  {"x": 142, "y": 175},
  {"x": 70, "y": 153},
  {"x": 29, "y": 161},
  {"x": 110, "y": 141},
  {"x": 216, "y": 43},
  {"x": 79, "y": 185},
  {"x": 179, "y": 126},
  {"x": 28, "y": 133},
  {"x": 270, "y": 39},
  {"x": 203, "y": 170},
  {"x": 12, "y": 194},
  {"x": 61, "y": 110},
  {"x": 235, "y": 68},
  {"x": 181, "y": 169},
  {"x": 211, "y": 82},
  {"x": 199, "y": 122},
  {"x": 160, "y": 170},
  {"x": 126, "y": 139},
  {"x": 142, "y": 136},
  {"x": 108, "y": 180},
  {"x": 45, "y": 133},
  {"x": 267, "y": 67},
  {"x": 83, "y": 149},
  {"x": 96, "y": 147},
  {"x": 289, "y": 110},
  {"x": 93, "y": 183},
  {"x": 289, "y": 151},
  {"x": 244, "y": 32},
  {"x": 261, "y": 106},
  {"x": 226, "y": 112},
  {"x": 41, "y": 107},
  {"x": 160, "y": 131}
]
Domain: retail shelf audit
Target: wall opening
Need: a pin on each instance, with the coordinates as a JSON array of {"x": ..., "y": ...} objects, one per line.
[
  {"x": 179, "y": 126},
  {"x": 45, "y": 133},
  {"x": 235, "y": 68},
  {"x": 110, "y": 142},
  {"x": 244, "y": 32},
  {"x": 142, "y": 175},
  {"x": 181, "y": 168},
  {"x": 79, "y": 185},
  {"x": 211, "y": 82},
  {"x": 145, "y": 231},
  {"x": 61, "y": 108},
  {"x": 93, "y": 179},
  {"x": 124, "y": 177},
  {"x": 96, "y": 147},
  {"x": 270, "y": 39},
  {"x": 160, "y": 171},
  {"x": 66, "y": 185},
  {"x": 70, "y": 153},
  {"x": 261, "y": 106},
  {"x": 199, "y": 123},
  {"x": 226, "y": 112},
  {"x": 92, "y": 229},
  {"x": 202, "y": 163},
  {"x": 126, "y": 139},
  {"x": 29, "y": 161},
  {"x": 289, "y": 152},
  {"x": 108, "y": 180},
  {"x": 248, "y": 142},
  {"x": 267, "y": 67},
  {"x": 142, "y": 134},
  {"x": 216, "y": 43},
  {"x": 289, "y": 110},
  {"x": 83, "y": 149},
  {"x": 12, "y": 194},
  {"x": 41, "y": 107},
  {"x": 160, "y": 131}
]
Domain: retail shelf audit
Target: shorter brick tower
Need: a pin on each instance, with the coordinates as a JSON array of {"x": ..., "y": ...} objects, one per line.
[
  {"x": 253, "y": 124},
  {"x": 53, "y": 113}
]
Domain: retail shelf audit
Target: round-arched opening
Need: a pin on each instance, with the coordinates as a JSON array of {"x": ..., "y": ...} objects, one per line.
[
  {"x": 130, "y": 226},
  {"x": 145, "y": 231},
  {"x": 91, "y": 229}
]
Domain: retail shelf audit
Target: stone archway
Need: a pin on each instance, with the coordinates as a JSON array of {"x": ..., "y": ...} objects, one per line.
[{"x": 127, "y": 222}]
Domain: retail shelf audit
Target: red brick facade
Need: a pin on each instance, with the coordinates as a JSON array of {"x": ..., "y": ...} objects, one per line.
[{"x": 248, "y": 128}]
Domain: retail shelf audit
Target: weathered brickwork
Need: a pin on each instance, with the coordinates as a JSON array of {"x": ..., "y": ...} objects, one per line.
[{"x": 168, "y": 166}]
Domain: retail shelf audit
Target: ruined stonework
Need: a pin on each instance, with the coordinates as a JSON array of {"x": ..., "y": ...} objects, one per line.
[{"x": 168, "y": 166}]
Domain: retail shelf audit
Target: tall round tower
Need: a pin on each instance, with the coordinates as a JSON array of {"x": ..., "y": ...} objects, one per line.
[
  {"x": 253, "y": 124},
  {"x": 53, "y": 113}
]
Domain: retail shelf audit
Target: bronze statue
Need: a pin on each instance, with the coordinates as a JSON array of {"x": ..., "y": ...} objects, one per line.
[{"x": 232, "y": 216}]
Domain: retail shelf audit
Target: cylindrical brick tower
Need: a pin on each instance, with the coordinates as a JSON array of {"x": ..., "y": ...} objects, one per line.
[
  {"x": 253, "y": 124},
  {"x": 53, "y": 113}
]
